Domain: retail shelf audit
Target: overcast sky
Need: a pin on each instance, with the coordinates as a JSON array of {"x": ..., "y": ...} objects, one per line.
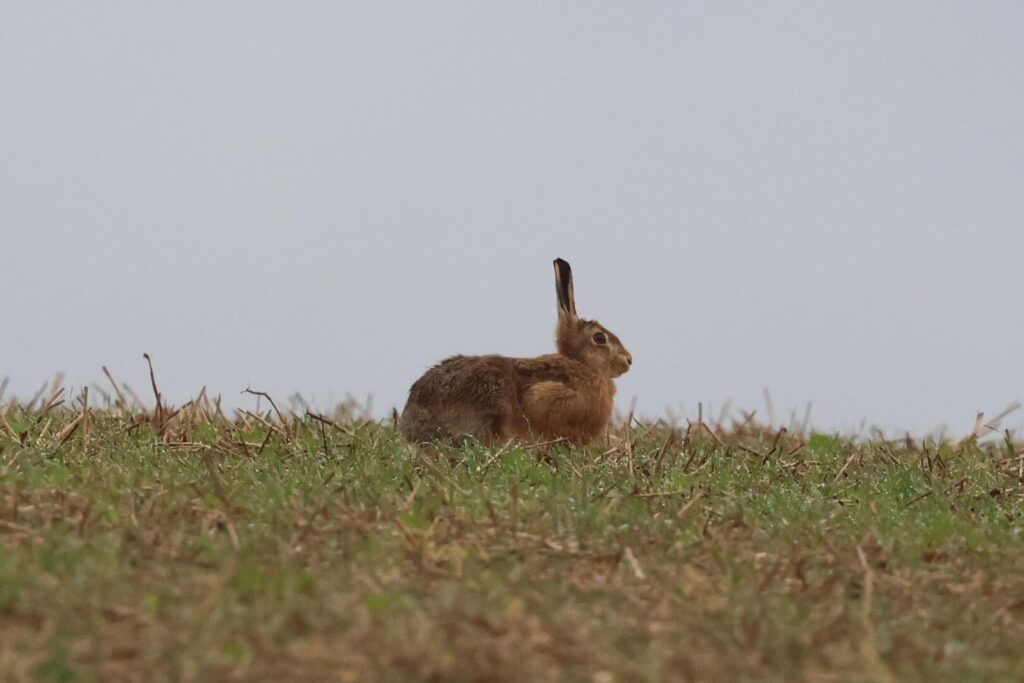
[{"x": 823, "y": 199}]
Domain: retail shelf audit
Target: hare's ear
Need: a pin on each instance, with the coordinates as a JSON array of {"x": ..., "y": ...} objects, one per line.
[{"x": 563, "y": 287}]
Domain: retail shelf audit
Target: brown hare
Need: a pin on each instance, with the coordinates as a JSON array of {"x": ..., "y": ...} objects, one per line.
[{"x": 493, "y": 398}]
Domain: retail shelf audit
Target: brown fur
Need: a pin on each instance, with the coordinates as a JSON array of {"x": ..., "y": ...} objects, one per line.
[{"x": 494, "y": 398}]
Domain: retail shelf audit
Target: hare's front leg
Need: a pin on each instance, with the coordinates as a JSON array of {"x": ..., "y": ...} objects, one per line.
[{"x": 554, "y": 409}]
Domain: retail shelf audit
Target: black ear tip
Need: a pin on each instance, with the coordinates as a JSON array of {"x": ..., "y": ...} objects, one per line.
[{"x": 561, "y": 264}]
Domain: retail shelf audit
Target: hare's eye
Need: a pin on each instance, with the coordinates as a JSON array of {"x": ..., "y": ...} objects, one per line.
[{"x": 600, "y": 338}]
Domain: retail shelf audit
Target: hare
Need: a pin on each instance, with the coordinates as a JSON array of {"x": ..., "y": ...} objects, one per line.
[{"x": 494, "y": 398}]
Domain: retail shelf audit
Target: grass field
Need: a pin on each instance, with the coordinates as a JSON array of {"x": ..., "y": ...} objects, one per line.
[{"x": 189, "y": 545}]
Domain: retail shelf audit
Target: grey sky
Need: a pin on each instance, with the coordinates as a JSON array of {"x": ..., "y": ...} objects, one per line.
[{"x": 825, "y": 199}]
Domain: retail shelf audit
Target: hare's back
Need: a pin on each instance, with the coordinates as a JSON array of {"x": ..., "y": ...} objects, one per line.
[{"x": 480, "y": 381}]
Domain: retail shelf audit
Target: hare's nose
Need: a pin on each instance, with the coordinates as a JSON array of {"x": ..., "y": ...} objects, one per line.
[{"x": 629, "y": 359}]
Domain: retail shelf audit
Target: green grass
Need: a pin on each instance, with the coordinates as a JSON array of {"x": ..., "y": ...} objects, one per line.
[{"x": 196, "y": 547}]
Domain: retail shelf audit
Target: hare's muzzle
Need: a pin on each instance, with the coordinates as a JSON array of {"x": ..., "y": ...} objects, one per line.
[{"x": 623, "y": 361}]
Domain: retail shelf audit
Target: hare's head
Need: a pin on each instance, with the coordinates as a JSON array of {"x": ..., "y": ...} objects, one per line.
[{"x": 586, "y": 340}]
